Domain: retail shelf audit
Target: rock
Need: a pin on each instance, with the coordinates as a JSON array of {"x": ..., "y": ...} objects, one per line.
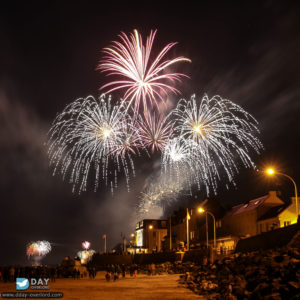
[{"x": 293, "y": 284}]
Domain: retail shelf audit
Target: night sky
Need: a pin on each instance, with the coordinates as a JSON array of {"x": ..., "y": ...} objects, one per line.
[{"x": 245, "y": 51}]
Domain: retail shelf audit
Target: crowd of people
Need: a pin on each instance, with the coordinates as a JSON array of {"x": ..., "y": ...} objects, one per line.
[
  {"x": 113, "y": 271},
  {"x": 10, "y": 273}
]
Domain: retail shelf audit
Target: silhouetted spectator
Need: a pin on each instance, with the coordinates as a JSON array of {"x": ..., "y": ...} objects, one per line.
[
  {"x": 123, "y": 269},
  {"x": 11, "y": 274},
  {"x": 52, "y": 274},
  {"x": 131, "y": 270}
]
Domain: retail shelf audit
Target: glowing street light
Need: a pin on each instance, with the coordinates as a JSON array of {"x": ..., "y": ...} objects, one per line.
[
  {"x": 188, "y": 217},
  {"x": 201, "y": 210},
  {"x": 271, "y": 172}
]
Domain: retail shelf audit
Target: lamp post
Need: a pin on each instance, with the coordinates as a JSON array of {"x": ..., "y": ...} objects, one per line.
[
  {"x": 272, "y": 172},
  {"x": 201, "y": 210},
  {"x": 187, "y": 230},
  {"x": 170, "y": 233},
  {"x": 104, "y": 237},
  {"x": 150, "y": 229}
]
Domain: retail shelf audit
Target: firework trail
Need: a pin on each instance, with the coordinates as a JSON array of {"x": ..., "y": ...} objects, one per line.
[
  {"x": 144, "y": 81},
  {"x": 93, "y": 137},
  {"x": 214, "y": 137},
  {"x": 39, "y": 248},
  {"x": 158, "y": 194}
]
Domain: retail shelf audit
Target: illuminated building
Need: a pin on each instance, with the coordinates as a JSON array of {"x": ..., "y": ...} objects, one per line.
[
  {"x": 149, "y": 234},
  {"x": 257, "y": 216}
]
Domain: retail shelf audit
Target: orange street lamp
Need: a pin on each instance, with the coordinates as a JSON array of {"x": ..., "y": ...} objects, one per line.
[
  {"x": 188, "y": 217},
  {"x": 201, "y": 210},
  {"x": 272, "y": 172}
]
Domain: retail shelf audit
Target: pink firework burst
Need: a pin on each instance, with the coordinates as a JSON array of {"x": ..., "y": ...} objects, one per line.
[
  {"x": 146, "y": 81},
  {"x": 155, "y": 131},
  {"x": 86, "y": 245}
]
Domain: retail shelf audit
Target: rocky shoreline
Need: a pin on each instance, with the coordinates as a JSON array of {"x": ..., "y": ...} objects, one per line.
[{"x": 269, "y": 274}]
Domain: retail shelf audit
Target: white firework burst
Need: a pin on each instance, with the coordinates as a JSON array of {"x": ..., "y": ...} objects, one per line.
[
  {"x": 90, "y": 137},
  {"x": 221, "y": 135}
]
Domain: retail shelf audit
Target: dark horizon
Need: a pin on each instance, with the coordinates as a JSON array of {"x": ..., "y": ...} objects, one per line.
[{"x": 246, "y": 52}]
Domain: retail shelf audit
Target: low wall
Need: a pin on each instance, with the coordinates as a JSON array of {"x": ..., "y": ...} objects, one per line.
[
  {"x": 102, "y": 260},
  {"x": 272, "y": 239},
  {"x": 156, "y": 258},
  {"x": 196, "y": 256},
  {"x": 111, "y": 259}
]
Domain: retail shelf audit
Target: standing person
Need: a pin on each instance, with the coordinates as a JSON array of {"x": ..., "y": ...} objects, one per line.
[
  {"x": 94, "y": 272},
  {"x": 11, "y": 274},
  {"x": 123, "y": 269},
  {"x": 131, "y": 270},
  {"x": 6, "y": 274},
  {"x": 135, "y": 270},
  {"x": 152, "y": 269},
  {"x": 116, "y": 273},
  {"x": 52, "y": 274},
  {"x": 108, "y": 273},
  {"x": 74, "y": 273}
]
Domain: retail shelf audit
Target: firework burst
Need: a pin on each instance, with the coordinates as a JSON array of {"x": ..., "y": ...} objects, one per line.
[
  {"x": 144, "y": 82},
  {"x": 39, "y": 248},
  {"x": 86, "y": 245},
  {"x": 85, "y": 255},
  {"x": 217, "y": 135},
  {"x": 92, "y": 135},
  {"x": 155, "y": 131},
  {"x": 180, "y": 161}
]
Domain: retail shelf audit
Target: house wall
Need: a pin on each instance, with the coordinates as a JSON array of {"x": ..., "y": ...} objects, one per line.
[
  {"x": 179, "y": 233},
  {"x": 267, "y": 225},
  {"x": 288, "y": 216},
  {"x": 243, "y": 224}
]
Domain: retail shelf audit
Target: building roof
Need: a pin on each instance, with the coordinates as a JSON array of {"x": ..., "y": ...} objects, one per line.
[
  {"x": 273, "y": 212},
  {"x": 252, "y": 204}
]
